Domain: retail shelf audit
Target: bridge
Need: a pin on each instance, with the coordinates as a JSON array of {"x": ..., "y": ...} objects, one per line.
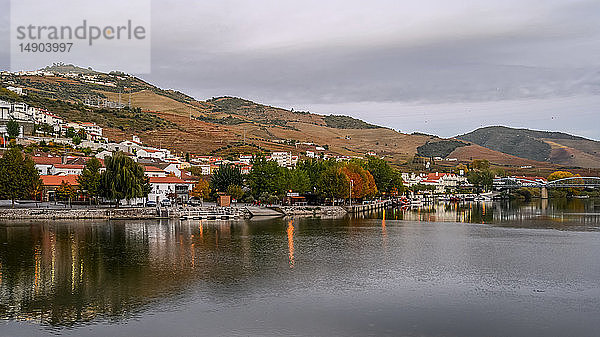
[{"x": 571, "y": 182}]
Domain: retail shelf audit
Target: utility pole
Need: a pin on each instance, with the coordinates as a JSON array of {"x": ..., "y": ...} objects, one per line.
[{"x": 351, "y": 185}]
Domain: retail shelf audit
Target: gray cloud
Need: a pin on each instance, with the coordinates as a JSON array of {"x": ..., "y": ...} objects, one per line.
[{"x": 385, "y": 57}]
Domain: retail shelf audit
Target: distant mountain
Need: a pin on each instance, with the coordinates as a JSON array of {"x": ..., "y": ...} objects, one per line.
[
  {"x": 228, "y": 125},
  {"x": 542, "y": 146}
]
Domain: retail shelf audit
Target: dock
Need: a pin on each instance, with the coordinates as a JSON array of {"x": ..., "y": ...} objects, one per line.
[
  {"x": 262, "y": 211},
  {"x": 354, "y": 209}
]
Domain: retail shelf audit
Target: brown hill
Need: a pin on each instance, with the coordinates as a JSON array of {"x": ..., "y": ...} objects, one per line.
[
  {"x": 177, "y": 121},
  {"x": 474, "y": 151}
]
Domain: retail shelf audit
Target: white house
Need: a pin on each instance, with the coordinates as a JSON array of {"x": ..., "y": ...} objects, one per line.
[
  {"x": 169, "y": 188},
  {"x": 172, "y": 168},
  {"x": 18, "y": 91},
  {"x": 66, "y": 169},
  {"x": 284, "y": 159},
  {"x": 151, "y": 153},
  {"x": 5, "y": 109},
  {"x": 443, "y": 181},
  {"x": 92, "y": 129},
  {"x": 44, "y": 164},
  {"x": 151, "y": 171}
]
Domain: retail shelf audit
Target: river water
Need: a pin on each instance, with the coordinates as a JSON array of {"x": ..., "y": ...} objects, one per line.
[{"x": 495, "y": 269}]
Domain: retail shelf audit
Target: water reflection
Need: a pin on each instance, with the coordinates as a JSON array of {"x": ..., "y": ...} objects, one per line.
[
  {"x": 574, "y": 214},
  {"x": 264, "y": 273},
  {"x": 66, "y": 273},
  {"x": 290, "y": 237}
]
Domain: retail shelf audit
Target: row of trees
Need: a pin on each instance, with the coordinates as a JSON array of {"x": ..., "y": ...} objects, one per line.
[
  {"x": 123, "y": 179},
  {"x": 268, "y": 182}
]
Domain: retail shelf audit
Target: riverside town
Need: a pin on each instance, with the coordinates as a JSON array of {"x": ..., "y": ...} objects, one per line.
[
  {"x": 299, "y": 168},
  {"x": 56, "y": 163}
]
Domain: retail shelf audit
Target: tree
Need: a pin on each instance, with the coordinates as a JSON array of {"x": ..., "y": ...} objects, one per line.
[
  {"x": 90, "y": 179},
  {"x": 201, "y": 190},
  {"x": 482, "y": 180},
  {"x": 76, "y": 140},
  {"x": 363, "y": 184},
  {"x": 13, "y": 129},
  {"x": 387, "y": 179},
  {"x": 18, "y": 176},
  {"x": 297, "y": 180},
  {"x": 264, "y": 177},
  {"x": 481, "y": 164},
  {"x": 66, "y": 192},
  {"x": 560, "y": 175},
  {"x": 225, "y": 176},
  {"x": 82, "y": 134},
  {"x": 123, "y": 179},
  {"x": 235, "y": 191},
  {"x": 334, "y": 184},
  {"x": 70, "y": 133},
  {"x": 562, "y": 192}
]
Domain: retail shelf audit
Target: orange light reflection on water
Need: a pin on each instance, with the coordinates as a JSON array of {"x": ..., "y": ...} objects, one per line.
[{"x": 290, "y": 236}]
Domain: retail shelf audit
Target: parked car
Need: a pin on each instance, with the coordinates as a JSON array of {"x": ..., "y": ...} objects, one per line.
[
  {"x": 165, "y": 203},
  {"x": 150, "y": 203},
  {"x": 195, "y": 202}
]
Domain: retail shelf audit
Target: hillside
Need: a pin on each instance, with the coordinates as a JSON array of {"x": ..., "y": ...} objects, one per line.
[
  {"x": 541, "y": 146},
  {"x": 227, "y": 125},
  {"x": 174, "y": 120}
]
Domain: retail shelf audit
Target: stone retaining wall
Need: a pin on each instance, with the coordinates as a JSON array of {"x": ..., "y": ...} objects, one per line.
[
  {"x": 313, "y": 210},
  {"x": 95, "y": 213}
]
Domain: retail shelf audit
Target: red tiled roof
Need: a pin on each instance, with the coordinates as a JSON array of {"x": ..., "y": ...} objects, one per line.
[
  {"x": 69, "y": 166},
  {"x": 46, "y": 160},
  {"x": 57, "y": 180},
  {"x": 168, "y": 180},
  {"x": 152, "y": 169}
]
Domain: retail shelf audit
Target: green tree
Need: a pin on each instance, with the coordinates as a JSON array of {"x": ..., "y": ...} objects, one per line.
[
  {"x": 264, "y": 177},
  {"x": 13, "y": 129},
  {"x": 482, "y": 180},
  {"x": 76, "y": 140},
  {"x": 123, "y": 179},
  {"x": 297, "y": 180},
  {"x": 481, "y": 164},
  {"x": 82, "y": 134},
  {"x": 387, "y": 179},
  {"x": 235, "y": 191},
  {"x": 90, "y": 179},
  {"x": 70, "y": 133},
  {"x": 225, "y": 176},
  {"x": 18, "y": 176},
  {"x": 314, "y": 168},
  {"x": 334, "y": 184},
  {"x": 66, "y": 192}
]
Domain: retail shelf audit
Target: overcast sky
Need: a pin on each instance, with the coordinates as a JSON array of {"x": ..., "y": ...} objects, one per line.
[{"x": 443, "y": 67}]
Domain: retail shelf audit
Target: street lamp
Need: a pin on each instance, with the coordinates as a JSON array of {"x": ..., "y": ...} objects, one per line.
[{"x": 351, "y": 185}]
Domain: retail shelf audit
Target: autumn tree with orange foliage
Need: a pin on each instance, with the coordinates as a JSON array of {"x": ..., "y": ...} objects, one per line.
[
  {"x": 201, "y": 190},
  {"x": 363, "y": 183}
]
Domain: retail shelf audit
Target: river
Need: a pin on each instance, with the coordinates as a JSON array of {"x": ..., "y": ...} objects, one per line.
[{"x": 495, "y": 269}]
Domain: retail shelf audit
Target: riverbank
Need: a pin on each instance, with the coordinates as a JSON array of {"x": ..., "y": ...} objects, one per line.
[{"x": 175, "y": 213}]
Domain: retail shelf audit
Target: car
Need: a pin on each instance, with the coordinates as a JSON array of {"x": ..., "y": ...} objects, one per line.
[
  {"x": 165, "y": 203},
  {"x": 150, "y": 203}
]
